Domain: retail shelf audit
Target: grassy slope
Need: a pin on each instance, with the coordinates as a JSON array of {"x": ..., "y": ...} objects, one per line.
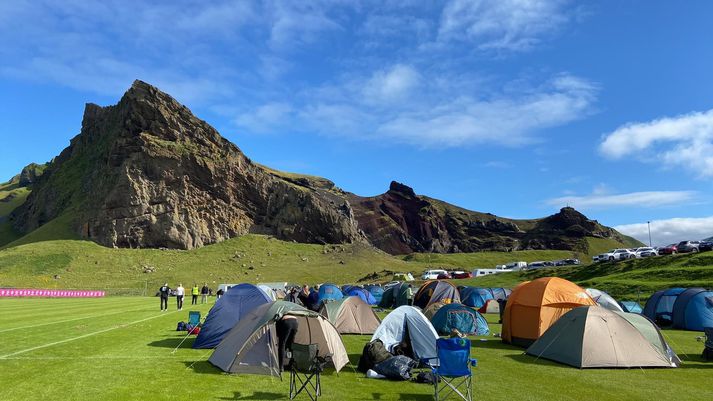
[
  {"x": 7, "y": 233},
  {"x": 632, "y": 279},
  {"x": 132, "y": 359}
]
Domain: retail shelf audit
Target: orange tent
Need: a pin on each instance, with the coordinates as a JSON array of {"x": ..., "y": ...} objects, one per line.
[{"x": 535, "y": 305}]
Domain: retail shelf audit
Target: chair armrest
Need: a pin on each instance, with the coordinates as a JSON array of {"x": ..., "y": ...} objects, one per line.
[{"x": 473, "y": 362}]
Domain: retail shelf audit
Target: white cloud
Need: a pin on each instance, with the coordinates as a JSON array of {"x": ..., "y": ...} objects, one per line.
[
  {"x": 501, "y": 24},
  {"x": 601, "y": 199},
  {"x": 664, "y": 232},
  {"x": 392, "y": 84},
  {"x": 684, "y": 141},
  {"x": 266, "y": 117}
]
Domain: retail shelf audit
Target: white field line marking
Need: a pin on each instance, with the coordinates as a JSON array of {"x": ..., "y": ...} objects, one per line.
[
  {"x": 83, "y": 336},
  {"x": 71, "y": 320},
  {"x": 117, "y": 357}
]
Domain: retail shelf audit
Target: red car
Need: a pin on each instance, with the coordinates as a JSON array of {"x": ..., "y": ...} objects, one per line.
[
  {"x": 668, "y": 250},
  {"x": 443, "y": 276},
  {"x": 461, "y": 274}
]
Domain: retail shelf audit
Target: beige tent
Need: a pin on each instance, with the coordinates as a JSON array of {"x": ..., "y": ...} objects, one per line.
[
  {"x": 596, "y": 337},
  {"x": 251, "y": 346},
  {"x": 491, "y": 306},
  {"x": 351, "y": 315},
  {"x": 432, "y": 309}
]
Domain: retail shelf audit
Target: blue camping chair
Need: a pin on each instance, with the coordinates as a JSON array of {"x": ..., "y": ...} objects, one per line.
[
  {"x": 194, "y": 318},
  {"x": 452, "y": 368}
]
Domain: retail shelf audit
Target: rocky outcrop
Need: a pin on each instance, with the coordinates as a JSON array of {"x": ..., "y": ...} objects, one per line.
[{"x": 147, "y": 173}]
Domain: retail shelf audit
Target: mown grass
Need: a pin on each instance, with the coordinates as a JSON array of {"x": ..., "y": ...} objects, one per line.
[{"x": 121, "y": 348}]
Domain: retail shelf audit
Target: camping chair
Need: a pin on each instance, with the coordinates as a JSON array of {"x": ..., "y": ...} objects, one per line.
[
  {"x": 194, "y": 318},
  {"x": 306, "y": 367},
  {"x": 452, "y": 368}
]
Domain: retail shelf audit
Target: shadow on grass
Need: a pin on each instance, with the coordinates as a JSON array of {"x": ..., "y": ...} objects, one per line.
[
  {"x": 258, "y": 395},
  {"x": 531, "y": 360},
  {"x": 493, "y": 344},
  {"x": 204, "y": 367},
  {"x": 694, "y": 361},
  {"x": 173, "y": 342}
]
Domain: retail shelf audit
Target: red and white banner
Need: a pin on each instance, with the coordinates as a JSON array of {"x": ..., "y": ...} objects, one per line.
[{"x": 17, "y": 292}]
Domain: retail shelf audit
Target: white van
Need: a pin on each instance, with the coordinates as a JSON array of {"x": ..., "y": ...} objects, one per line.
[{"x": 432, "y": 274}]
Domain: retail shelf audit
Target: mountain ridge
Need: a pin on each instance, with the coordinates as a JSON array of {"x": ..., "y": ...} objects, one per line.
[{"x": 147, "y": 173}]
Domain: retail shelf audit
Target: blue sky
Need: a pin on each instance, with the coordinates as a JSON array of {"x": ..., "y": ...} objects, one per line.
[{"x": 511, "y": 107}]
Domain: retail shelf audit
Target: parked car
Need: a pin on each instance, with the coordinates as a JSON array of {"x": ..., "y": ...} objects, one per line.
[
  {"x": 570, "y": 262},
  {"x": 645, "y": 252},
  {"x": 444, "y": 276},
  {"x": 688, "y": 246},
  {"x": 616, "y": 254},
  {"x": 705, "y": 246},
  {"x": 432, "y": 274},
  {"x": 668, "y": 250},
  {"x": 536, "y": 265},
  {"x": 460, "y": 274}
]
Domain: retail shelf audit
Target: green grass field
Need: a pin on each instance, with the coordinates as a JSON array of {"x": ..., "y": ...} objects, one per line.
[{"x": 121, "y": 348}]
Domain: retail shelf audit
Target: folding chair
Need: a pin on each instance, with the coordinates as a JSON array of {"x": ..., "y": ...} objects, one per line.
[
  {"x": 306, "y": 367},
  {"x": 452, "y": 368},
  {"x": 194, "y": 318}
]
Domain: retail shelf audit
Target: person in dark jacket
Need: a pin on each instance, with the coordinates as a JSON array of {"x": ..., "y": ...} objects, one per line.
[
  {"x": 286, "y": 328},
  {"x": 164, "y": 292},
  {"x": 204, "y": 293}
]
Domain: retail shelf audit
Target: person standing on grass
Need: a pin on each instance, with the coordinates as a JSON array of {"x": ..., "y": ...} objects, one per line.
[
  {"x": 164, "y": 292},
  {"x": 409, "y": 294},
  {"x": 194, "y": 294},
  {"x": 204, "y": 293},
  {"x": 286, "y": 328},
  {"x": 179, "y": 296},
  {"x": 219, "y": 294}
]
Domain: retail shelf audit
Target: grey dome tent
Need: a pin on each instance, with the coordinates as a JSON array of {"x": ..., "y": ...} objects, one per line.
[
  {"x": 251, "y": 346},
  {"x": 595, "y": 337},
  {"x": 408, "y": 323},
  {"x": 604, "y": 300}
]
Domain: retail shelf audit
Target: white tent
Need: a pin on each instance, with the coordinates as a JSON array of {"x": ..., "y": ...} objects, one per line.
[
  {"x": 604, "y": 300},
  {"x": 407, "y": 319}
]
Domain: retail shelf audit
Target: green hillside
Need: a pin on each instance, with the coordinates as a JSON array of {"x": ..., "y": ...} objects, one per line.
[{"x": 629, "y": 279}]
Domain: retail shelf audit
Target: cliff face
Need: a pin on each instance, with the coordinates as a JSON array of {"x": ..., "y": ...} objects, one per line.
[
  {"x": 147, "y": 173},
  {"x": 400, "y": 222}
]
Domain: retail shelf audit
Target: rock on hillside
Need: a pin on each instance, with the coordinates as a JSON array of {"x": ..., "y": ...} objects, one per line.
[{"x": 147, "y": 173}]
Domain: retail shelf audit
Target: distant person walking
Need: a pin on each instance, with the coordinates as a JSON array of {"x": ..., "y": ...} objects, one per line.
[
  {"x": 180, "y": 291},
  {"x": 204, "y": 293},
  {"x": 409, "y": 294},
  {"x": 219, "y": 294},
  {"x": 164, "y": 292},
  {"x": 194, "y": 294}
]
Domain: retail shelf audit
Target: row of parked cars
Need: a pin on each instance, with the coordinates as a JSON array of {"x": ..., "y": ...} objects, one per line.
[
  {"x": 441, "y": 274},
  {"x": 645, "y": 251}
]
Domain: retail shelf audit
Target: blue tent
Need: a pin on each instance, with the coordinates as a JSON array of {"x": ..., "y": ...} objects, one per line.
[
  {"x": 475, "y": 296},
  {"x": 631, "y": 307},
  {"x": 354, "y": 291},
  {"x": 659, "y": 307},
  {"x": 227, "y": 311},
  {"x": 693, "y": 309},
  {"x": 461, "y": 318},
  {"x": 376, "y": 291},
  {"x": 500, "y": 293},
  {"x": 329, "y": 292}
]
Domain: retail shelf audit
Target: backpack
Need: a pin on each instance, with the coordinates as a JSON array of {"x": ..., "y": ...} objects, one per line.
[
  {"x": 181, "y": 326},
  {"x": 372, "y": 354},
  {"x": 426, "y": 377}
]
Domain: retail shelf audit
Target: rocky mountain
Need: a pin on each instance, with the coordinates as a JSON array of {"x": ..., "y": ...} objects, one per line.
[
  {"x": 400, "y": 222},
  {"x": 147, "y": 173}
]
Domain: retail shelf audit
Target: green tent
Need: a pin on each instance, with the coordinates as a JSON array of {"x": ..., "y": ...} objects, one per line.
[{"x": 595, "y": 337}]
